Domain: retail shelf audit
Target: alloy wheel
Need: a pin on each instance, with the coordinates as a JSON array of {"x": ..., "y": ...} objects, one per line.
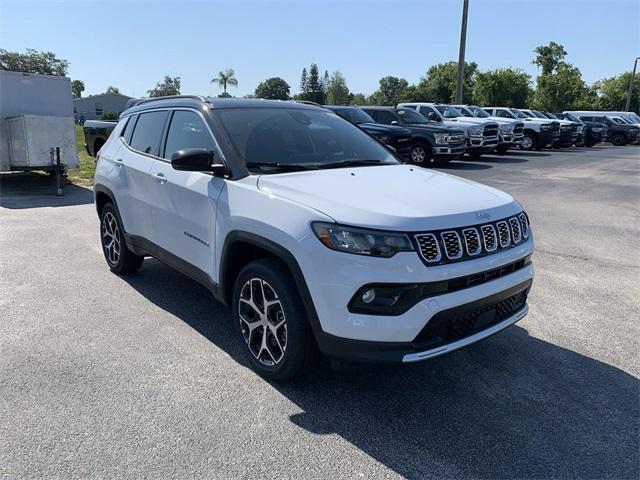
[
  {"x": 263, "y": 322},
  {"x": 111, "y": 238},
  {"x": 418, "y": 154},
  {"x": 527, "y": 142}
]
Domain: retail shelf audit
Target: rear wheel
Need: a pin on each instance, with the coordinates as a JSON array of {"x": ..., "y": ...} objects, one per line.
[
  {"x": 528, "y": 142},
  {"x": 421, "y": 154},
  {"x": 119, "y": 258},
  {"x": 619, "y": 140},
  {"x": 270, "y": 321}
]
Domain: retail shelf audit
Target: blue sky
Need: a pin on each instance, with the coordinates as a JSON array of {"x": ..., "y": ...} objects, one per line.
[{"x": 133, "y": 44}]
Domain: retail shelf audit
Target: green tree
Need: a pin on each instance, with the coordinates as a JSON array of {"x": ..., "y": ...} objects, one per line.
[
  {"x": 228, "y": 77},
  {"x": 274, "y": 88},
  {"x": 548, "y": 57},
  {"x": 77, "y": 87},
  {"x": 439, "y": 84},
  {"x": 358, "y": 99},
  {"x": 112, "y": 89},
  {"x": 390, "y": 91},
  {"x": 109, "y": 116},
  {"x": 564, "y": 89},
  {"x": 311, "y": 87},
  {"x": 337, "y": 90},
  {"x": 33, "y": 61},
  {"x": 614, "y": 90},
  {"x": 503, "y": 86},
  {"x": 169, "y": 86}
]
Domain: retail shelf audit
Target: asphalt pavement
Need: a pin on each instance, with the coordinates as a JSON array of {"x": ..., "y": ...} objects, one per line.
[{"x": 140, "y": 377}]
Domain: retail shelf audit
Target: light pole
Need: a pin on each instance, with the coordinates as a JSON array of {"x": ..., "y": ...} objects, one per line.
[
  {"x": 463, "y": 41},
  {"x": 633, "y": 74}
]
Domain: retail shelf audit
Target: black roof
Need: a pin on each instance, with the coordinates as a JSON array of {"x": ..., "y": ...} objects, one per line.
[
  {"x": 138, "y": 105},
  {"x": 378, "y": 107}
]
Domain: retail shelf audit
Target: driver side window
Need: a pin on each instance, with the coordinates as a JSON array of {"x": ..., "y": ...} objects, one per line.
[{"x": 187, "y": 130}]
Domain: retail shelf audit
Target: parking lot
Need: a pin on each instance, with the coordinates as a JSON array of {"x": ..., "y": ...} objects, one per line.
[{"x": 140, "y": 376}]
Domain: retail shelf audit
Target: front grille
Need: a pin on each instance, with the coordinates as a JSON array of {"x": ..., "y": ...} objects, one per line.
[
  {"x": 575, "y": 128},
  {"x": 448, "y": 327},
  {"x": 519, "y": 128},
  {"x": 452, "y": 245},
  {"x": 555, "y": 127},
  {"x": 490, "y": 130},
  {"x": 402, "y": 145},
  {"x": 565, "y": 128},
  {"x": 457, "y": 138}
]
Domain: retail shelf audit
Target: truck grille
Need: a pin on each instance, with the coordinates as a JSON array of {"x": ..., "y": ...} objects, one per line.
[
  {"x": 490, "y": 130},
  {"x": 555, "y": 127},
  {"x": 518, "y": 128},
  {"x": 402, "y": 145},
  {"x": 452, "y": 245}
]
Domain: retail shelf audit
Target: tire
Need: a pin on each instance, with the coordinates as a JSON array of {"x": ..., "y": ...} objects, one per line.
[
  {"x": 619, "y": 140},
  {"x": 528, "y": 142},
  {"x": 421, "y": 154},
  {"x": 120, "y": 259},
  {"x": 277, "y": 340}
]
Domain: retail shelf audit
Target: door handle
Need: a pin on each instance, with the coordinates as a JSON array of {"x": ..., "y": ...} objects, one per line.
[
  {"x": 160, "y": 178},
  {"x": 120, "y": 162}
]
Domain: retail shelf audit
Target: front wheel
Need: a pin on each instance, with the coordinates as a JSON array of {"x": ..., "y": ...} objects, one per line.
[
  {"x": 619, "y": 140},
  {"x": 528, "y": 142},
  {"x": 271, "y": 322},
  {"x": 119, "y": 258},
  {"x": 421, "y": 154}
]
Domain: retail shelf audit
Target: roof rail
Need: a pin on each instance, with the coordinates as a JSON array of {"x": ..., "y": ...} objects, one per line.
[
  {"x": 307, "y": 102},
  {"x": 139, "y": 101}
]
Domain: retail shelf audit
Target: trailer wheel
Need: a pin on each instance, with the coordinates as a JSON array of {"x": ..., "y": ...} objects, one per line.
[{"x": 119, "y": 258}]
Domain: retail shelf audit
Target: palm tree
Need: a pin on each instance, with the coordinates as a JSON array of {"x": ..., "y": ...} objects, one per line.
[{"x": 226, "y": 78}]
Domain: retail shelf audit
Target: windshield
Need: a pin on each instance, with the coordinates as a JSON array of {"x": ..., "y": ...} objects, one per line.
[
  {"x": 465, "y": 111},
  {"x": 449, "y": 112},
  {"x": 571, "y": 116},
  {"x": 633, "y": 117},
  {"x": 272, "y": 140},
  {"x": 354, "y": 115},
  {"x": 410, "y": 116},
  {"x": 480, "y": 113},
  {"x": 618, "y": 120},
  {"x": 519, "y": 114},
  {"x": 552, "y": 116}
]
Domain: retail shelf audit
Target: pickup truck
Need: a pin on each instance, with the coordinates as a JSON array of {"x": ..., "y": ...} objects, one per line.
[
  {"x": 96, "y": 133},
  {"x": 538, "y": 133},
  {"x": 592, "y": 132},
  {"x": 511, "y": 131}
]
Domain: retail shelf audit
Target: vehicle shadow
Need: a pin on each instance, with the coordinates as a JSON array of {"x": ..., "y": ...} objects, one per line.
[
  {"x": 34, "y": 190},
  {"x": 506, "y": 158},
  {"x": 464, "y": 165},
  {"x": 512, "y": 406},
  {"x": 526, "y": 153}
]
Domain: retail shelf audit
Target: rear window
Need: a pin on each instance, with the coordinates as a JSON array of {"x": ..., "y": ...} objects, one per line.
[{"x": 148, "y": 132}]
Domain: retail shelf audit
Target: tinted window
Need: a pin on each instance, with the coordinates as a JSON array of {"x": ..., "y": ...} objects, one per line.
[
  {"x": 271, "y": 139},
  {"x": 386, "y": 117},
  {"x": 354, "y": 115},
  {"x": 126, "y": 132},
  {"x": 187, "y": 130},
  {"x": 503, "y": 113},
  {"x": 148, "y": 132}
]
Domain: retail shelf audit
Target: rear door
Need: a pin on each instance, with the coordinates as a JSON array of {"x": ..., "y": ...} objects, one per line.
[{"x": 184, "y": 203}]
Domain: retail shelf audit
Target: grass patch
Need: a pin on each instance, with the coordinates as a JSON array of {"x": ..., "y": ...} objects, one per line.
[{"x": 84, "y": 174}]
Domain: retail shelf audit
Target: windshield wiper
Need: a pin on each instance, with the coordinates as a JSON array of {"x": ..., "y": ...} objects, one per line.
[
  {"x": 351, "y": 163},
  {"x": 285, "y": 167}
]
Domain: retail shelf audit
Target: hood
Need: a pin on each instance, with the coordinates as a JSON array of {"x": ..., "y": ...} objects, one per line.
[
  {"x": 433, "y": 128},
  {"x": 473, "y": 120},
  {"x": 393, "y": 197},
  {"x": 502, "y": 120},
  {"x": 384, "y": 129}
]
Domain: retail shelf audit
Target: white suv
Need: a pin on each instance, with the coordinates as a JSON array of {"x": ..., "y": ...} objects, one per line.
[{"x": 314, "y": 233}]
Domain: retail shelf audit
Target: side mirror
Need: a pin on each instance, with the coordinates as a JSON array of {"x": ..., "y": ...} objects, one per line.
[
  {"x": 196, "y": 160},
  {"x": 432, "y": 117}
]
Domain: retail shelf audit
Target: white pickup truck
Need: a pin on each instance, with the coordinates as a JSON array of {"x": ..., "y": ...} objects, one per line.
[
  {"x": 538, "y": 133},
  {"x": 511, "y": 131}
]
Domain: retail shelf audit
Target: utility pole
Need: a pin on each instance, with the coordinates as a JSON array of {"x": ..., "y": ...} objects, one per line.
[
  {"x": 633, "y": 74},
  {"x": 463, "y": 41}
]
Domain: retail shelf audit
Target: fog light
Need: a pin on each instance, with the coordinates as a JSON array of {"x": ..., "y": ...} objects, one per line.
[{"x": 369, "y": 296}]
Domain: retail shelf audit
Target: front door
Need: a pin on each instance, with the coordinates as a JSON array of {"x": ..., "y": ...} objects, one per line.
[{"x": 184, "y": 204}]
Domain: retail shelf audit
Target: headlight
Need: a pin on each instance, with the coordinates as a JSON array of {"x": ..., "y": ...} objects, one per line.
[
  {"x": 506, "y": 128},
  {"x": 545, "y": 126},
  {"x": 386, "y": 139},
  {"x": 441, "y": 139},
  {"x": 361, "y": 241},
  {"x": 475, "y": 131}
]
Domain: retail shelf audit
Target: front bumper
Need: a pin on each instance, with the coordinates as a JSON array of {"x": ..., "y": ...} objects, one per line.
[
  {"x": 457, "y": 328},
  {"x": 567, "y": 139},
  {"x": 479, "y": 143},
  {"x": 511, "y": 139},
  {"x": 448, "y": 150}
]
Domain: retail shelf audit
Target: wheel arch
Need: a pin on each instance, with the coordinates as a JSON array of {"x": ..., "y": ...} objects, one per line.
[
  {"x": 104, "y": 195},
  {"x": 241, "y": 247}
]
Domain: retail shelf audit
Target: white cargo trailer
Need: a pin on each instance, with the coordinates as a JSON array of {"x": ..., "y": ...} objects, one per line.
[{"x": 36, "y": 122}]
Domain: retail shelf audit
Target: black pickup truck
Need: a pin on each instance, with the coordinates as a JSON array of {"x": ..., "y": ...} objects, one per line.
[
  {"x": 592, "y": 132},
  {"x": 432, "y": 144},
  {"x": 618, "y": 134},
  {"x": 396, "y": 137},
  {"x": 96, "y": 133}
]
